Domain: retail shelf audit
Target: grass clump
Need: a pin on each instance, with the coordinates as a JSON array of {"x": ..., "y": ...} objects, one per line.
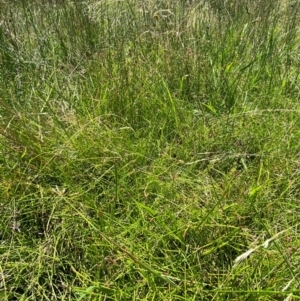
[{"x": 149, "y": 150}]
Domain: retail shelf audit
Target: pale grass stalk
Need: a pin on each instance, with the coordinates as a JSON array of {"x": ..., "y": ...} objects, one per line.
[
  {"x": 265, "y": 245},
  {"x": 289, "y": 297}
]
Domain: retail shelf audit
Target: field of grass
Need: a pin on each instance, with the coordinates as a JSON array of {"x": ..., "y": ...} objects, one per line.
[{"x": 149, "y": 150}]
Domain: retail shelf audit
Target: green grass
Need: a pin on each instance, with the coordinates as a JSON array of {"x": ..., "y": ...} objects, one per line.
[{"x": 149, "y": 150}]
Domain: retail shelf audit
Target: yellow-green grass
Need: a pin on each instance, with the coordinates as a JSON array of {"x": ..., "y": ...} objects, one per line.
[{"x": 149, "y": 150}]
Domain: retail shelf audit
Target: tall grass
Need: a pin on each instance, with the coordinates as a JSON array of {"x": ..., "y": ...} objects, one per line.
[{"x": 149, "y": 150}]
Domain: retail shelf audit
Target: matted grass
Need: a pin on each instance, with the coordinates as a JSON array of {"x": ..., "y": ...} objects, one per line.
[{"x": 149, "y": 150}]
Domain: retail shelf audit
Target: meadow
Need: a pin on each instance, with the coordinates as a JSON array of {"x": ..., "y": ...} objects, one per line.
[{"x": 149, "y": 150}]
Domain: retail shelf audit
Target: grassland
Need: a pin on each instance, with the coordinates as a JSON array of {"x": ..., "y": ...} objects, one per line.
[{"x": 149, "y": 150}]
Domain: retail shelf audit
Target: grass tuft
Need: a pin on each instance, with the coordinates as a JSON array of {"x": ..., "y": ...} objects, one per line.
[{"x": 149, "y": 150}]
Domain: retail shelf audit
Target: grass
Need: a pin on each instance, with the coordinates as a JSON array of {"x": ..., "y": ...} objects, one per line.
[{"x": 149, "y": 150}]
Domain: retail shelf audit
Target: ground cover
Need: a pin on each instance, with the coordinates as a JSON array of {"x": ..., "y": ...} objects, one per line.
[{"x": 149, "y": 150}]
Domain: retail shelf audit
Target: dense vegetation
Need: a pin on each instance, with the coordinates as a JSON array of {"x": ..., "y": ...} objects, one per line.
[{"x": 149, "y": 150}]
